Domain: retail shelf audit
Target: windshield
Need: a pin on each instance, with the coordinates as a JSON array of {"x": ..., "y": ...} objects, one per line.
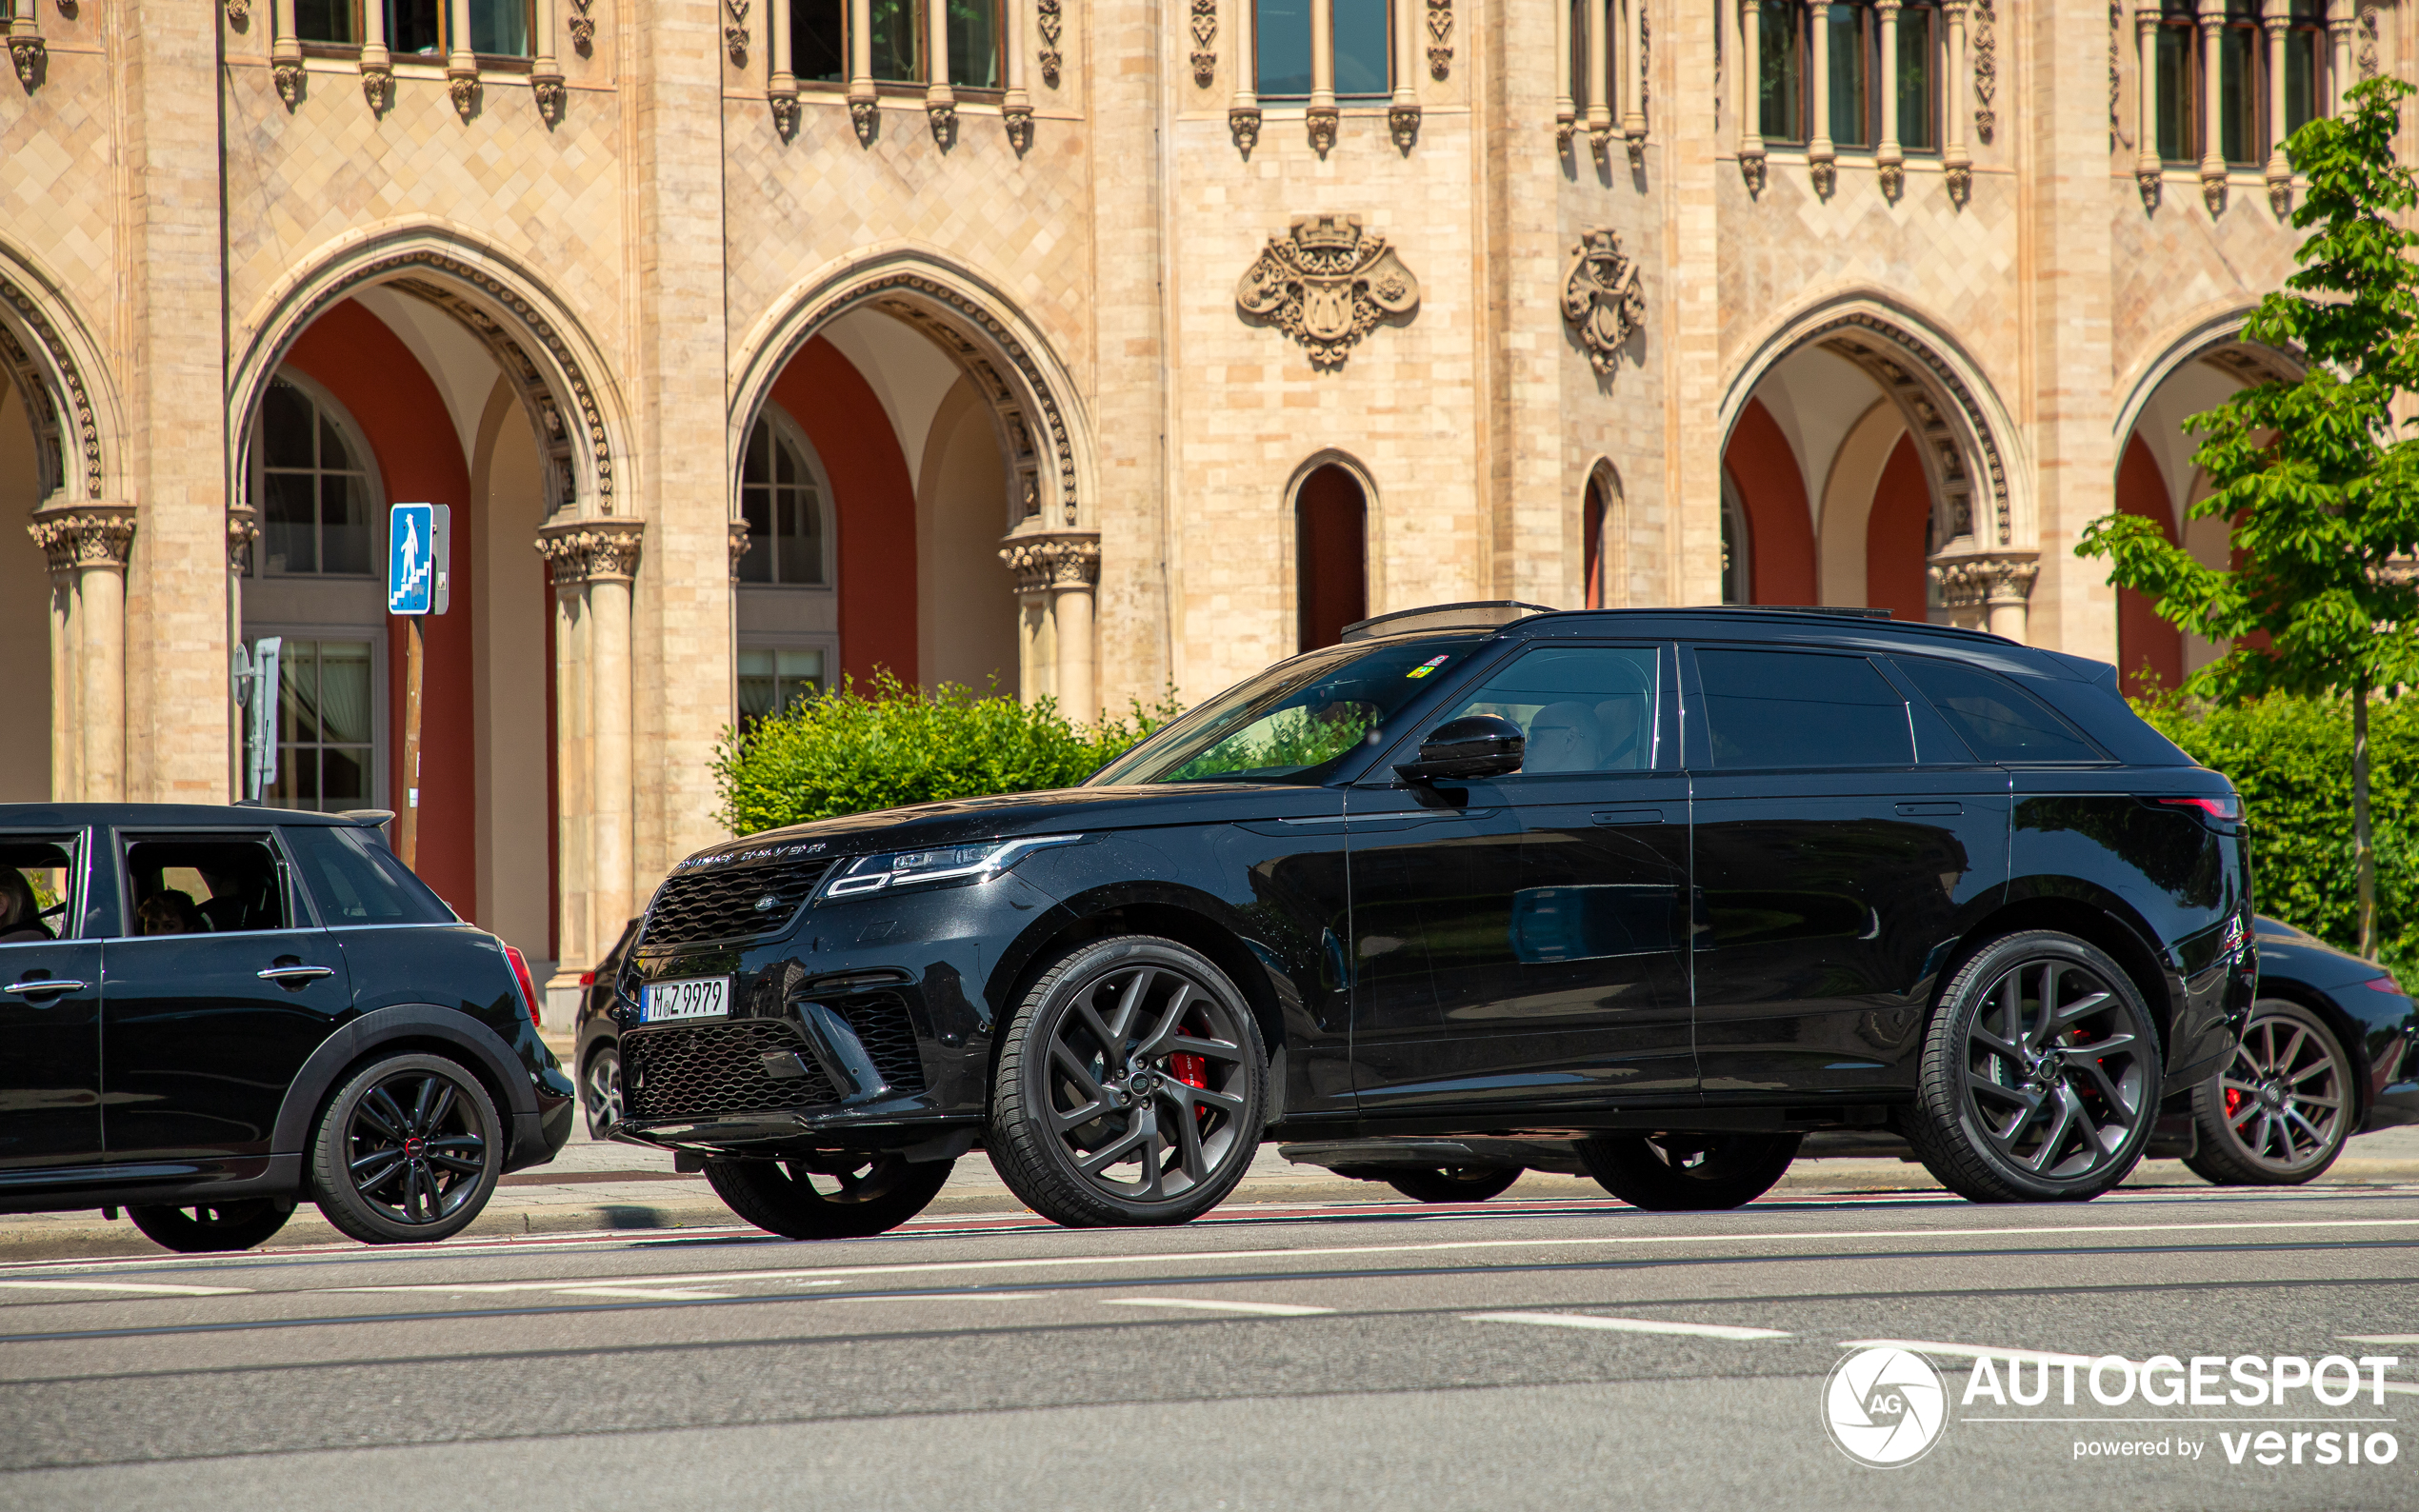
[{"x": 1295, "y": 722}]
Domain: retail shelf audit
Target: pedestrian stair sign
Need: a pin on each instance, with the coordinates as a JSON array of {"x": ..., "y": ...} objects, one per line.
[{"x": 418, "y": 547}]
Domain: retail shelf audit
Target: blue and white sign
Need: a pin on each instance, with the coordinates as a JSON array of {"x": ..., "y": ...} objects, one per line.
[{"x": 418, "y": 545}]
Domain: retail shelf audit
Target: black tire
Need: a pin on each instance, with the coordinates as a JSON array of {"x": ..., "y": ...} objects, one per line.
[
  {"x": 1120, "y": 1029},
  {"x": 1678, "y": 1172},
  {"x": 830, "y": 1194},
  {"x": 2281, "y": 1108},
  {"x": 601, "y": 1090},
  {"x": 206, "y": 1228},
  {"x": 2016, "y": 1103},
  {"x": 1452, "y": 1183},
  {"x": 407, "y": 1151}
]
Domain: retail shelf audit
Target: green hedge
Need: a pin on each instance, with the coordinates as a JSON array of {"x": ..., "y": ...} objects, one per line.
[
  {"x": 849, "y": 752},
  {"x": 2290, "y": 758}
]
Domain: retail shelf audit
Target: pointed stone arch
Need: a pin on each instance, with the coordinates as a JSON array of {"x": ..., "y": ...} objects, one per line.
[{"x": 51, "y": 357}]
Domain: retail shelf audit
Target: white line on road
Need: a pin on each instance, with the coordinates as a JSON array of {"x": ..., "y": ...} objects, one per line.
[
  {"x": 156, "y": 1289},
  {"x": 1270, "y": 1309},
  {"x": 2379, "y": 1339},
  {"x": 1626, "y": 1325},
  {"x": 651, "y": 1293}
]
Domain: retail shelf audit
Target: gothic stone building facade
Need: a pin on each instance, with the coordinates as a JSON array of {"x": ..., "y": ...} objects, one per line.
[{"x": 1090, "y": 345}]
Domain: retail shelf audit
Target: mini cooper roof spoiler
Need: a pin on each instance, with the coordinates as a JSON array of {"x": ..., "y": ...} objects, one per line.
[
  {"x": 1484, "y": 615},
  {"x": 374, "y": 817}
]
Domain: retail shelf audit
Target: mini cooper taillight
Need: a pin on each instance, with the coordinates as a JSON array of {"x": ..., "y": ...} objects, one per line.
[{"x": 528, "y": 988}]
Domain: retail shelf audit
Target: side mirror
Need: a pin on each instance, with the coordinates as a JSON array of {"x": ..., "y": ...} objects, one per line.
[{"x": 1471, "y": 746}]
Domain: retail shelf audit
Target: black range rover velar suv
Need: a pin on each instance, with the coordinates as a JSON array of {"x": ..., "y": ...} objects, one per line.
[{"x": 1680, "y": 886}]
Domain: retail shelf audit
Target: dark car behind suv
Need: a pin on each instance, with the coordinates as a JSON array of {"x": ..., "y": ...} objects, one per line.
[
  {"x": 211, "y": 1013},
  {"x": 1679, "y": 885}
]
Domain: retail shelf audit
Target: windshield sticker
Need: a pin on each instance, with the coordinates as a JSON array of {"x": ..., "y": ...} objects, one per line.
[{"x": 1429, "y": 665}]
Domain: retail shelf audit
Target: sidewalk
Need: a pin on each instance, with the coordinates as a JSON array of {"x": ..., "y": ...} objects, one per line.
[{"x": 595, "y": 1187}]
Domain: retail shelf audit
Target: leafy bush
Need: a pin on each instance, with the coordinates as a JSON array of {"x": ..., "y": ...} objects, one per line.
[
  {"x": 2290, "y": 759},
  {"x": 849, "y": 752}
]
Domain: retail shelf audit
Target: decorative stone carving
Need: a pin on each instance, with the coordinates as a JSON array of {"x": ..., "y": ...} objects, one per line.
[
  {"x": 1244, "y": 121},
  {"x": 1440, "y": 38},
  {"x": 462, "y": 84},
  {"x": 550, "y": 96},
  {"x": 1053, "y": 559},
  {"x": 1914, "y": 374},
  {"x": 1018, "y": 121},
  {"x": 1205, "y": 42},
  {"x": 2365, "y": 56},
  {"x": 243, "y": 529},
  {"x": 1824, "y": 173},
  {"x": 865, "y": 116},
  {"x": 583, "y": 25},
  {"x": 239, "y": 13},
  {"x": 1989, "y": 587},
  {"x": 1960, "y": 180},
  {"x": 378, "y": 85},
  {"x": 86, "y": 440},
  {"x": 1323, "y": 122},
  {"x": 734, "y": 31},
  {"x": 737, "y": 539},
  {"x": 1048, "y": 19},
  {"x": 943, "y": 115},
  {"x": 1893, "y": 180},
  {"x": 1751, "y": 171},
  {"x": 1402, "y": 122},
  {"x": 26, "y": 52},
  {"x": 287, "y": 74},
  {"x": 2213, "y": 193},
  {"x": 2147, "y": 180},
  {"x": 584, "y": 552},
  {"x": 1566, "y": 128},
  {"x": 1602, "y": 301},
  {"x": 86, "y": 535},
  {"x": 1327, "y": 283},
  {"x": 2116, "y": 37},
  {"x": 1985, "y": 42}
]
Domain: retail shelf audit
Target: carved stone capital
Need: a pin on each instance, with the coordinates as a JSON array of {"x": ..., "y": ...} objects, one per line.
[
  {"x": 863, "y": 113},
  {"x": 29, "y": 56},
  {"x": 1403, "y": 121},
  {"x": 2213, "y": 192},
  {"x": 1048, "y": 560},
  {"x": 243, "y": 529},
  {"x": 1635, "y": 139},
  {"x": 1017, "y": 120},
  {"x": 1894, "y": 179},
  {"x": 1244, "y": 121},
  {"x": 1969, "y": 583},
  {"x": 737, "y": 531},
  {"x": 377, "y": 85},
  {"x": 461, "y": 85},
  {"x": 1960, "y": 179},
  {"x": 1752, "y": 169},
  {"x": 584, "y": 552},
  {"x": 2280, "y": 196},
  {"x": 1824, "y": 173},
  {"x": 1323, "y": 122},
  {"x": 2147, "y": 180},
  {"x": 80, "y": 536},
  {"x": 942, "y": 111},
  {"x": 551, "y": 96},
  {"x": 288, "y": 74}
]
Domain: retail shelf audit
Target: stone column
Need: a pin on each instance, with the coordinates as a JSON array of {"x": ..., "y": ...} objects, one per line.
[
  {"x": 1752, "y": 114},
  {"x": 2275, "y": 17},
  {"x": 2211, "y": 14},
  {"x": 1633, "y": 80},
  {"x": 377, "y": 64},
  {"x": 1956, "y": 163},
  {"x": 1322, "y": 118},
  {"x": 2146, "y": 113},
  {"x": 1988, "y": 591},
  {"x": 1888, "y": 157},
  {"x": 1599, "y": 78},
  {"x": 594, "y": 563},
  {"x": 88, "y": 546},
  {"x": 1058, "y": 573},
  {"x": 940, "y": 101},
  {"x": 1016, "y": 105},
  {"x": 546, "y": 74},
  {"x": 1402, "y": 110},
  {"x": 461, "y": 64},
  {"x": 863, "y": 106},
  {"x": 1821, "y": 156},
  {"x": 285, "y": 53},
  {"x": 2339, "y": 21},
  {"x": 1565, "y": 113},
  {"x": 1243, "y": 107}
]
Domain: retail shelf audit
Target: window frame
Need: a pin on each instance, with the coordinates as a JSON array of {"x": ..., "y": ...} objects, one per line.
[
  {"x": 827, "y": 644},
  {"x": 77, "y": 840},
  {"x": 781, "y": 425},
  {"x": 256, "y": 559},
  {"x": 1346, "y": 101},
  {"x": 1696, "y": 730},
  {"x": 1000, "y": 23},
  {"x": 1795, "y": 18},
  {"x": 379, "y": 729},
  {"x": 1662, "y": 737},
  {"x": 2177, "y": 16},
  {"x": 300, "y": 912}
]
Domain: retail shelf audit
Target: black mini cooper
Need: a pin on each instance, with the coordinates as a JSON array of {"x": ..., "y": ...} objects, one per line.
[
  {"x": 1680, "y": 885},
  {"x": 211, "y": 1014}
]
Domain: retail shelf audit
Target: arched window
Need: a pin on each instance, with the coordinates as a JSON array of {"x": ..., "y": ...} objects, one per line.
[
  {"x": 1591, "y": 545},
  {"x": 783, "y": 505},
  {"x": 314, "y": 485},
  {"x": 1330, "y": 566}
]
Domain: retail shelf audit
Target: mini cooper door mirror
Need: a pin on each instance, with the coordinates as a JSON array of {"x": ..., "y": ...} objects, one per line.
[{"x": 1471, "y": 746}]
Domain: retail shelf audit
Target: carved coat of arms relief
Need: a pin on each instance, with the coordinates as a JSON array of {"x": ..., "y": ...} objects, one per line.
[
  {"x": 1601, "y": 299},
  {"x": 1327, "y": 283}
]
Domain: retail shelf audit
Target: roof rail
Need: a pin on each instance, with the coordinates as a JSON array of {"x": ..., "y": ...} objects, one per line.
[
  {"x": 1475, "y": 615},
  {"x": 1809, "y": 608}
]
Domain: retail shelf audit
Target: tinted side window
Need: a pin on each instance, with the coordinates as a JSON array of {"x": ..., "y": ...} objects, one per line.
[
  {"x": 37, "y": 874},
  {"x": 1586, "y": 708},
  {"x": 1801, "y": 709},
  {"x": 357, "y": 881},
  {"x": 1999, "y": 719},
  {"x": 205, "y": 886}
]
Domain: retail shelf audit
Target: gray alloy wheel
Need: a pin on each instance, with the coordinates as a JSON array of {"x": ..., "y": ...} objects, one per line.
[
  {"x": 2279, "y": 1112},
  {"x": 601, "y": 1091},
  {"x": 2040, "y": 1074},
  {"x": 1129, "y": 1089},
  {"x": 206, "y": 1228},
  {"x": 408, "y": 1152}
]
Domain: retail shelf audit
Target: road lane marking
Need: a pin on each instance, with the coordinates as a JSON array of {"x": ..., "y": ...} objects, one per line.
[
  {"x": 676, "y": 1294},
  {"x": 156, "y": 1288},
  {"x": 1628, "y": 1326},
  {"x": 1933, "y": 1347},
  {"x": 2379, "y": 1339},
  {"x": 1268, "y": 1310}
]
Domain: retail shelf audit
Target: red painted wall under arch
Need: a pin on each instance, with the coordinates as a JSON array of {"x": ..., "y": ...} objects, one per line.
[
  {"x": 1895, "y": 534},
  {"x": 354, "y": 356},
  {"x": 2149, "y": 650},
  {"x": 1780, "y": 526},
  {"x": 872, "y": 506}
]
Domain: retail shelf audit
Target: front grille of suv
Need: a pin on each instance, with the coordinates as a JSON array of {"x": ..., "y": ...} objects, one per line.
[
  {"x": 709, "y": 1070},
  {"x": 697, "y": 906}
]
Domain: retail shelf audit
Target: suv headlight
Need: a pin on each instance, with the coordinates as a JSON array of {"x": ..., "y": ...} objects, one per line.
[{"x": 942, "y": 864}]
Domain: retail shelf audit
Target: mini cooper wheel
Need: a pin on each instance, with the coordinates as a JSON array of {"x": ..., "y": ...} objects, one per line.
[
  {"x": 1451, "y": 1183},
  {"x": 1130, "y": 1088},
  {"x": 2280, "y": 1111},
  {"x": 828, "y": 1194},
  {"x": 407, "y": 1151},
  {"x": 204, "y": 1228},
  {"x": 2040, "y": 1078},
  {"x": 1676, "y": 1172},
  {"x": 601, "y": 1091}
]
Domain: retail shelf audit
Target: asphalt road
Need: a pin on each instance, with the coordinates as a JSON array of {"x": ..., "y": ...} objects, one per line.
[{"x": 1571, "y": 1353}]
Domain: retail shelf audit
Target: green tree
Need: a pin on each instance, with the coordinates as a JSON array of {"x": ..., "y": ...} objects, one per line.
[{"x": 2317, "y": 488}]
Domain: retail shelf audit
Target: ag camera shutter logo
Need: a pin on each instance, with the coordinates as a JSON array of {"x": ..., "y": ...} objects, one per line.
[{"x": 1885, "y": 1407}]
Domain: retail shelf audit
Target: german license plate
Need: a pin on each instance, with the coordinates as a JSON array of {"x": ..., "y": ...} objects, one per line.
[{"x": 695, "y": 998}]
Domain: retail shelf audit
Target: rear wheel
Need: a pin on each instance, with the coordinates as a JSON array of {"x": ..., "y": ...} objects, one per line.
[
  {"x": 209, "y": 1228},
  {"x": 408, "y": 1151},
  {"x": 1676, "y": 1172},
  {"x": 828, "y": 1194},
  {"x": 2280, "y": 1111},
  {"x": 601, "y": 1091},
  {"x": 1452, "y": 1183}
]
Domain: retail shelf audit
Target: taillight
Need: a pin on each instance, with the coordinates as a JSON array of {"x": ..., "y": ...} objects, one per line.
[
  {"x": 2385, "y": 983},
  {"x": 588, "y": 979},
  {"x": 2228, "y": 808},
  {"x": 528, "y": 988}
]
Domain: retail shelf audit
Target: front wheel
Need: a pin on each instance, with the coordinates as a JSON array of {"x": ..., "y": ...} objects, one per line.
[
  {"x": 1453, "y": 1184},
  {"x": 1676, "y": 1172},
  {"x": 1130, "y": 1088},
  {"x": 2040, "y": 1077},
  {"x": 2280, "y": 1111},
  {"x": 408, "y": 1152},
  {"x": 208, "y": 1228},
  {"x": 828, "y": 1194}
]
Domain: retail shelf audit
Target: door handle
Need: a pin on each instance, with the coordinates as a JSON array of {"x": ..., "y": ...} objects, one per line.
[
  {"x": 1628, "y": 816},
  {"x": 43, "y": 985},
  {"x": 296, "y": 974},
  {"x": 1911, "y": 810}
]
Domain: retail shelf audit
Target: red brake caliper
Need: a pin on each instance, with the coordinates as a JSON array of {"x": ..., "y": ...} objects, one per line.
[{"x": 1192, "y": 1070}]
